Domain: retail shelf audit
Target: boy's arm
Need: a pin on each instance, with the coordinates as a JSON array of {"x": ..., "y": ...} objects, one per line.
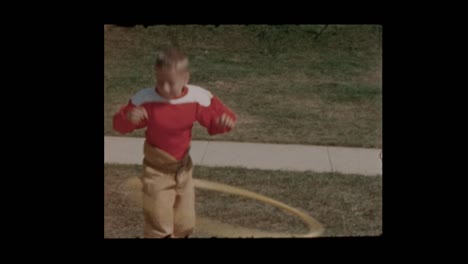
[
  {"x": 209, "y": 116},
  {"x": 122, "y": 124}
]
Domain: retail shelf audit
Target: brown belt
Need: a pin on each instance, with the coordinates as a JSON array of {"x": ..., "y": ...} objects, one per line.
[{"x": 164, "y": 162}]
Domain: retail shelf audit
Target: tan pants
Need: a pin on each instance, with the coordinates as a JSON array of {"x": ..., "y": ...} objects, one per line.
[{"x": 168, "y": 194}]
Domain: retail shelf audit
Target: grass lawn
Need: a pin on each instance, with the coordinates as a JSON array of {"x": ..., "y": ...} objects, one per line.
[
  {"x": 347, "y": 205},
  {"x": 285, "y": 86}
]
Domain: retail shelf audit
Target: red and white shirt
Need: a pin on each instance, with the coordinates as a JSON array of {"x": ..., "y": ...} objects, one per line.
[{"x": 170, "y": 121}]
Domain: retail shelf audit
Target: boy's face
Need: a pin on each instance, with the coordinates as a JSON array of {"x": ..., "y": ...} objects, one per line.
[{"x": 170, "y": 82}]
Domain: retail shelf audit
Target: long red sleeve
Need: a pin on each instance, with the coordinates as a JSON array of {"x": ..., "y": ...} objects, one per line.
[
  {"x": 122, "y": 124},
  {"x": 208, "y": 116}
]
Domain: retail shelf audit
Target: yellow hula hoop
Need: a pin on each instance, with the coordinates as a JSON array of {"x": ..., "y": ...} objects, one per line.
[{"x": 315, "y": 228}]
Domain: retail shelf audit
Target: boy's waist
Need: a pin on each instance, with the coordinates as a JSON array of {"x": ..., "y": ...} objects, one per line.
[
  {"x": 176, "y": 146},
  {"x": 163, "y": 161}
]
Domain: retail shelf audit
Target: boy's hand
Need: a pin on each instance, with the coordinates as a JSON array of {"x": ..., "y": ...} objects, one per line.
[
  {"x": 226, "y": 121},
  {"x": 136, "y": 115}
]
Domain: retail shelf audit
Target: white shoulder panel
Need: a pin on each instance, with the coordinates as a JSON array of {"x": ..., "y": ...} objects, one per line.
[
  {"x": 195, "y": 94},
  {"x": 147, "y": 95}
]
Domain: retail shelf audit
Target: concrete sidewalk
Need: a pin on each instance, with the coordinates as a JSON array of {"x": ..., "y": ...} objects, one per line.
[{"x": 129, "y": 150}]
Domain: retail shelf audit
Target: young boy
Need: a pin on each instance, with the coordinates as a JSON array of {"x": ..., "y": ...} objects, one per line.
[{"x": 168, "y": 112}]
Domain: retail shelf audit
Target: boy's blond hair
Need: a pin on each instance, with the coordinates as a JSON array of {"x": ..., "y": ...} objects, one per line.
[{"x": 172, "y": 58}]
